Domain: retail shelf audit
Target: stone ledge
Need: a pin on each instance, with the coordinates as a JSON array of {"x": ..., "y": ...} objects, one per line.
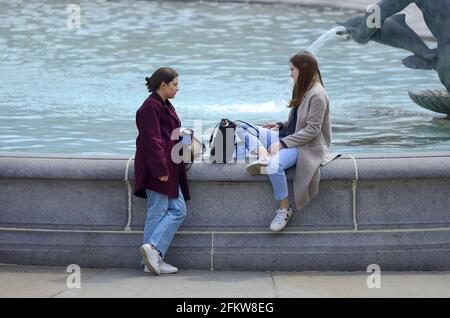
[
  {"x": 77, "y": 167},
  {"x": 351, "y": 251}
]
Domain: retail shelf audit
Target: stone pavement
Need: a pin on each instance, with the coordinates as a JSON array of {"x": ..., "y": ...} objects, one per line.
[{"x": 48, "y": 282}]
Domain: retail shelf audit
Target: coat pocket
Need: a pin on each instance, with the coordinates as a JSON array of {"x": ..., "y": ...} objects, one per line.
[{"x": 317, "y": 141}]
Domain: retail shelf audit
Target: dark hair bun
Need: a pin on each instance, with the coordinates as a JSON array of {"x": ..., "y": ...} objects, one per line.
[{"x": 163, "y": 74}]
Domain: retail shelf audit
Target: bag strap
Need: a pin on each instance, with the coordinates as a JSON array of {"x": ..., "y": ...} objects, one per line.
[
  {"x": 212, "y": 135},
  {"x": 241, "y": 121},
  {"x": 200, "y": 142},
  {"x": 248, "y": 124},
  {"x": 188, "y": 166}
]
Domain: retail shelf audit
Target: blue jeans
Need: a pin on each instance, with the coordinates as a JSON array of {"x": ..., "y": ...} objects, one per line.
[
  {"x": 164, "y": 217},
  {"x": 284, "y": 159}
]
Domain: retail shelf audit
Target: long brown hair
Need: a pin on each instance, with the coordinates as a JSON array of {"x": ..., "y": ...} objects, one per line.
[{"x": 308, "y": 75}]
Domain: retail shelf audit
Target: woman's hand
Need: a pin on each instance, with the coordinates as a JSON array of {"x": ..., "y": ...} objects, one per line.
[
  {"x": 270, "y": 125},
  {"x": 275, "y": 148},
  {"x": 163, "y": 178}
]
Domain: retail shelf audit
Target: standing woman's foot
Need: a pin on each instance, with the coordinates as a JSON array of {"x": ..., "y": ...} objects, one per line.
[
  {"x": 164, "y": 268},
  {"x": 281, "y": 219},
  {"x": 151, "y": 258}
]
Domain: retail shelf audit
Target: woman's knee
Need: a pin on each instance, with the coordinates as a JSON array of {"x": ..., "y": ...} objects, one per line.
[
  {"x": 179, "y": 210},
  {"x": 275, "y": 166},
  {"x": 156, "y": 201}
]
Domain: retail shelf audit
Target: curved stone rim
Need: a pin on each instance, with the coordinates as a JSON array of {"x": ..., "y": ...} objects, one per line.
[
  {"x": 437, "y": 100},
  {"x": 113, "y": 168}
]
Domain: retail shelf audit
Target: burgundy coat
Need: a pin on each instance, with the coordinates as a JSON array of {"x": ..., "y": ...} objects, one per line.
[{"x": 155, "y": 121}]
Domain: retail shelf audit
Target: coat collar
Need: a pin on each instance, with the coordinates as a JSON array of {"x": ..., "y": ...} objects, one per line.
[
  {"x": 156, "y": 96},
  {"x": 166, "y": 104}
]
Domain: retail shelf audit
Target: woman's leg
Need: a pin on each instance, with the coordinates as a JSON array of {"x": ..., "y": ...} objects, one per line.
[
  {"x": 157, "y": 206},
  {"x": 284, "y": 159},
  {"x": 278, "y": 163},
  {"x": 168, "y": 226},
  {"x": 249, "y": 136}
]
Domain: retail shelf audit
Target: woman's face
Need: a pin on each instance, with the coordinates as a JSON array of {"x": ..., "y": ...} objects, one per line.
[
  {"x": 170, "y": 89},
  {"x": 294, "y": 72}
]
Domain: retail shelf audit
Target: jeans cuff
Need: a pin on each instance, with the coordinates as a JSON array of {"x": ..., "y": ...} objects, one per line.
[{"x": 156, "y": 247}]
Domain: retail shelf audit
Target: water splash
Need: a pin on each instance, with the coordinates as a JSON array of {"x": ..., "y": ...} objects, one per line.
[
  {"x": 327, "y": 36},
  {"x": 284, "y": 96},
  {"x": 283, "y": 100}
]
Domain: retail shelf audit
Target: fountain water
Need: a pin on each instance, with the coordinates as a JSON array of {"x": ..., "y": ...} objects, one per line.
[
  {"x": 282, "y": 99},
  {"x": 285, "y": 93},
  {"x": 327, "y": 36}
]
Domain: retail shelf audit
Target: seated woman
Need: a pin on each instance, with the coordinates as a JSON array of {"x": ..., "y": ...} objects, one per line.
[{"x": 303, "y": 140}]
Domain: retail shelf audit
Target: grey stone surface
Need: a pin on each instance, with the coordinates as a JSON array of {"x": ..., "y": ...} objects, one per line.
[
  {"x": 411, "y": 284},
  {"x": 333, "y": 251},
  {"x": 63, "y": 248},
  {"x": 293, "y": 251},
  {"x": 250, "y": 205},
  {"x": 184, "y": 284},
  {"x": 36, "y": 282},
  {"x": 371, "y": 166},
  {"x": 33, "y": 281},
  {"x": 401, "y": 215},
  {"x": 337, "y": 169},
  {"x": 53, "y": 166},
  {"x": 397, "y": 203},
  {"x": 63, "y": 204},
  {"x": 404, "y": 168},
  {"x": 434, "y": 100},
  {"x": 97, "y": 250}
]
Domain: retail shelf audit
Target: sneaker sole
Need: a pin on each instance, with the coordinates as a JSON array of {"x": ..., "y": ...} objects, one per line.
[
  {"x": 147, "y": 261},
  {"x": 276, "y": 231},
  {"x": 161, "y": 272},
  {"x": 169, "y": 273},
  {"x": 255, "y": 169}
]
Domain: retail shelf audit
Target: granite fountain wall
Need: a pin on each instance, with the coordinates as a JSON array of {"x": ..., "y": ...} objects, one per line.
[{"x": 387, "y": 209}]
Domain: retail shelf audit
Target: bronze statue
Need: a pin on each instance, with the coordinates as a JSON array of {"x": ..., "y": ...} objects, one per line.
[{"x": 396, "y": 33}]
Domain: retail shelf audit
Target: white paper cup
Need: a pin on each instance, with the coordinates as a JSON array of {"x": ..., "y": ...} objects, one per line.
[{"x": 187, "y": 137}]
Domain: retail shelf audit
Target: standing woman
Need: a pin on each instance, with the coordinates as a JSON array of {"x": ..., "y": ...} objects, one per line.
[
  {"x": 301, "y": 141},
  {"x": 157, "y": 177}
]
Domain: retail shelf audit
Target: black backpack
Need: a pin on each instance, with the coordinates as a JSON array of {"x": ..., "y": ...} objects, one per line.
[{"x": 223, "y": 140}]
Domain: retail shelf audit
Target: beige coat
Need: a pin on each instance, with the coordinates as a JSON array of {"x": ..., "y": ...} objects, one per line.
[{"x": 312, "y": 138}]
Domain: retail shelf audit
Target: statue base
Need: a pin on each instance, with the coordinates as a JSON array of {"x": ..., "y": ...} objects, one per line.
[{"x": 434, "y": 100}]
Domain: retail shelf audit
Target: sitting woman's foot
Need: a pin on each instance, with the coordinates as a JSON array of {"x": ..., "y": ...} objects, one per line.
[
  {"x": 281, "y": 219},
  {"x": 258, "y": 166}
]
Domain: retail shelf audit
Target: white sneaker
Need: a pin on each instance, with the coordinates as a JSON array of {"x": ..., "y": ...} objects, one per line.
[
  {"x": 258, "y": 166},
  {"x": 281, "y": 219},
  {"x": 164, "y": 268},
  {"x": 151, "y": 258}
]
